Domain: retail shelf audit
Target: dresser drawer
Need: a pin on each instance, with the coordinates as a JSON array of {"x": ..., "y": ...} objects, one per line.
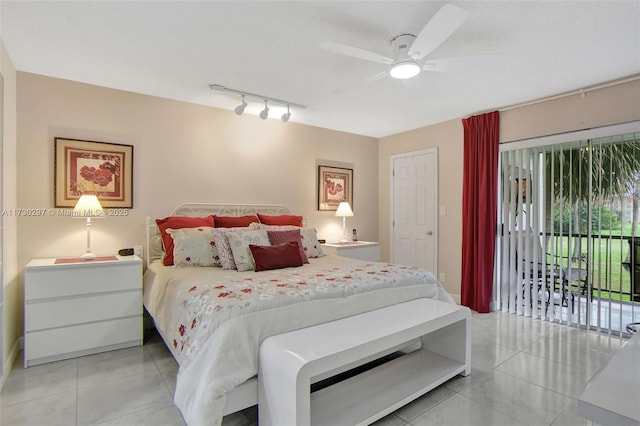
[
  {"x": 84, "y": 337},
  {"x": 80, "y": 308},
  {"x": 60, "y": 313},
  {"x": 63, "y": 280}
]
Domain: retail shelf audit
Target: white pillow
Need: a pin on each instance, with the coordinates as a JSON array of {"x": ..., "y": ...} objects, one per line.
[
  {"x": 239, "y": 243},
  {"x": 311, "y": 245},
  {"x": 194, "y": 247}
]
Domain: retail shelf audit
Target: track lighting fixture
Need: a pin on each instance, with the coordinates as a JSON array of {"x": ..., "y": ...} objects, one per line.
[
  {"x": 286, "y": 116},
  {"x": 264, "y": 114},
  {"x": 240, "y": 108}
]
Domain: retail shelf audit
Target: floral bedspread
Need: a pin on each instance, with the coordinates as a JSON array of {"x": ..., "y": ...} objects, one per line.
[{"x": 214, "y": 319}]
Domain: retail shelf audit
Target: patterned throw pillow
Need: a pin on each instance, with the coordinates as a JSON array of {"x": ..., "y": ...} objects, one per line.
[
  {"x": 178, "y": 222},
  {"x": 239, "y": 242},
  {"x": 224, "y": 251},
  {"x": 312, "y": 247},
  {"x": 279, "y": 237},
  {"x": 310, "y": 243},
  {"x": 194, "y": 247}
]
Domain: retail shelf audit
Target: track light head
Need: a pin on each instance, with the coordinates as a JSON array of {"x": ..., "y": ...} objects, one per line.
[
  {"x": 286, "y": 116},
  {"x": 265, "y": 112},
  {"x": 240, "y": 108}
]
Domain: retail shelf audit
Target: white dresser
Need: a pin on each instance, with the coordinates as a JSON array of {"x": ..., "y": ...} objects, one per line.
[
  {"x": 363, "y": 250},
  {"x": 77, "y": 308}
]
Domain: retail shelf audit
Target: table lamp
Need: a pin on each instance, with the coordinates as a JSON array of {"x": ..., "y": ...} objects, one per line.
[
  {"x": 344, "y": 211},
  {"x": 88, "y": 206}
]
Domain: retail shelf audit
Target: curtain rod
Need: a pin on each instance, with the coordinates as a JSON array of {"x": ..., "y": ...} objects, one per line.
[{"x": 582, "y": 92}]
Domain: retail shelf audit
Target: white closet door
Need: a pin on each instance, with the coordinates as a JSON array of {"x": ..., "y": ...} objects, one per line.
[{"x": 414, "y": 231}]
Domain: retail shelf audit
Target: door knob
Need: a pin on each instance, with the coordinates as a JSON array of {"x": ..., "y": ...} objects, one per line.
[{"x": 429, "y": 232}]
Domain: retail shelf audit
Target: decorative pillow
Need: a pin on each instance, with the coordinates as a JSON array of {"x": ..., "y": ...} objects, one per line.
[
  {"x": 276, "y": 257},
  {"x": 224, "y": 250},
  {"x": 194, "y": 247},
  {"x": 239, "y": 242},
  {"x": 178, "y": 222},
  {"x": 280, "y": 237},
  {"x": 310, "y": 243},
  {"x": 235, "y": 222},
  {"x": 283, "y": 219}
]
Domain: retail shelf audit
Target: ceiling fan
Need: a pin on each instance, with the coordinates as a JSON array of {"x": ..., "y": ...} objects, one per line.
[{"x": 410, "y": 50}]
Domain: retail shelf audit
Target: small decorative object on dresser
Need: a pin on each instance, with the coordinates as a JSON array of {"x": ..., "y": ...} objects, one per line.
[
  {"x": 363, "y": 250},
  {"x": 74, "y": 307},
  {"x": 344, "y": 211},
  {"x": 88, "y": 206}
]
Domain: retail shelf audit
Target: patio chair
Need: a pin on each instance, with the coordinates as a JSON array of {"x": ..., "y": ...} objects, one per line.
[{"x": 561, "y": 277}]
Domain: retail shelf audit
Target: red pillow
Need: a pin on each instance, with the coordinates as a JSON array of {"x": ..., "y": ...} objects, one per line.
[
  {"x": 279, "y": 237},
  {"x": 177, "y": 222},
  {"x": 281, "y": 220},
  {"x": 234, "y": 221},
  {"x": 276, "y": 257}
]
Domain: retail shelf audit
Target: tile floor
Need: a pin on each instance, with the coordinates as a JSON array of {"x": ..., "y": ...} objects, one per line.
[{"x": 524, "y": 372}]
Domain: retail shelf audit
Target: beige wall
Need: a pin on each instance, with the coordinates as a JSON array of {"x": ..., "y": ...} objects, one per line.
[
  {"x": 612, "y": 105},
  {"x": 182, "y": 153},
  {"x": 185, "y": 152},
  {"x": 11, "y": 329}
]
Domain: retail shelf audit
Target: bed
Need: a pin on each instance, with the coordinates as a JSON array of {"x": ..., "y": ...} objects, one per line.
[{"x": 213, "y": 319}]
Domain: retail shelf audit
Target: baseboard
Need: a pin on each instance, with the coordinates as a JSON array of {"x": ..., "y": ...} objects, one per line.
[{"x": 8, "y": 365}]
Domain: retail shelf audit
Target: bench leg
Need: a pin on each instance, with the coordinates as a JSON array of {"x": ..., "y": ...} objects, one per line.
[{"x": 283, "y": 398}]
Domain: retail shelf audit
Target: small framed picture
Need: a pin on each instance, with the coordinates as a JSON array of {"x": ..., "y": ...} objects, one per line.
[
  {"x": 99, "y": 168},
  {"x": 334, "y": 186}
]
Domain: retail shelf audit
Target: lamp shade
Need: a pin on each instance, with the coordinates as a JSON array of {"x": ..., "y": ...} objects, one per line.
[
  {"x": 87, "y": 206},
  {"x": 344, "y": 210}
]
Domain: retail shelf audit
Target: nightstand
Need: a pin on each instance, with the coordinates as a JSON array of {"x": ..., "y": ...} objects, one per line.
[
  {"x": 74, "y": 307},
  {"x": 363, "y": 250}
]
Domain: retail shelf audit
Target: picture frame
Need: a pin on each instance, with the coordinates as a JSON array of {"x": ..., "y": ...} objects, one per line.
[
  {"x": 88, "y": 167},
  {"x": 335, "y": 185}
]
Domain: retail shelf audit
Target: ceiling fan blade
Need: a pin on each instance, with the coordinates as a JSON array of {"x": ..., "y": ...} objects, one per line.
[
  {"x": 355, "y": 52},
  {"x": 376, "y": 77},
  {"x": 465, "y": 63},
  {"x": 437, "y": 30}
]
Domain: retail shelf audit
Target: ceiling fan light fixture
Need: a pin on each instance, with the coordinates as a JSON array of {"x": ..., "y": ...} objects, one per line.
[
  {"x": 405, "y": 69},
  {"x": 265, "y": 112}
]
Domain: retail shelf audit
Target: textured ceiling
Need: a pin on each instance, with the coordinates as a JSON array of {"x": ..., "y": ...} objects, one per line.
[{"x": 175, "y": 49}]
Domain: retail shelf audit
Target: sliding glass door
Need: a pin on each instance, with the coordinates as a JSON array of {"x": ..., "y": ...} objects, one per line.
[{"x": 568, "y": 227}]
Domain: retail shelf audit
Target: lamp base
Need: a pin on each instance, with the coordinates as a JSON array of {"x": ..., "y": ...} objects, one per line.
[{"x": 88, "y": 256}]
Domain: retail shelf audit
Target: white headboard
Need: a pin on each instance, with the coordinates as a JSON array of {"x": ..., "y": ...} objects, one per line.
[{"x": 153, "y": 250}]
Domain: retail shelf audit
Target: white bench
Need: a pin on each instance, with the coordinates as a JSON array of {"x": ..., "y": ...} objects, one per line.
[
  {"x": 291, "y": 362},
  {"x": 611, "y": 398}
]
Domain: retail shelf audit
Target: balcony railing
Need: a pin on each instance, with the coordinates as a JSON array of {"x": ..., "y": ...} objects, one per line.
[{"x": 613, "y": 264}]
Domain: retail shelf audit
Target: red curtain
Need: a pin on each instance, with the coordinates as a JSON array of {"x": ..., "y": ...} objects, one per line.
[{"x": 479, "y": 198}]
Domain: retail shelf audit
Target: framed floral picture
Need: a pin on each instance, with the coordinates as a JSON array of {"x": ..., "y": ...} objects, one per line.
[
  {"x": 88, "y": 167},
  {"x": 334, "y": 186}
]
